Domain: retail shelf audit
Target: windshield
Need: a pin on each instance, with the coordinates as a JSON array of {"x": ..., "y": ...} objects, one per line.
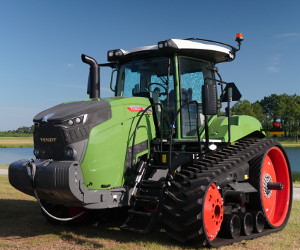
[
  {"x": 137, "y": 77},
  {"x": 153, "y": 78}
]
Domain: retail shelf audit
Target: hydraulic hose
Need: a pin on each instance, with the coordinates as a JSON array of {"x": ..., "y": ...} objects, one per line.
[{"x": 31, "y": 171}]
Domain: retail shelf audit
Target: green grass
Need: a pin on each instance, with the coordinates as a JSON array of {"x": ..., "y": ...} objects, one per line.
[
  {"x": 23, "y": 226},
  {"x": 3, "y": 166},
  {"x": 290, "y": 144},
  {"x": 6, "y": 134},
  {"x": 296, "y": 177}
]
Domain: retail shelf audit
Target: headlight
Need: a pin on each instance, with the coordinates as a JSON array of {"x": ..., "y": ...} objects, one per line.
[
  {"x": 70, "y": 122},
  {"x": 37, "y": 153},
  {"x": 70, "y": 153},
  {"x": 77, "y": 120}
]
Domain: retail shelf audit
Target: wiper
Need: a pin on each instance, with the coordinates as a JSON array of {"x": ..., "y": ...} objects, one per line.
[{"x": 155, "y": 70}]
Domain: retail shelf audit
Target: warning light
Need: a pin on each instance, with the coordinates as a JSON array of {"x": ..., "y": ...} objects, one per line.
[
  {"x": 276, "y": 124},
  {"x": 239, "y": 37},
  {"x": 276, "y": 129}
]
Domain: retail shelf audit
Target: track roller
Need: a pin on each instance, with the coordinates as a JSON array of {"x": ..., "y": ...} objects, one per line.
[
  {"x": 259, "y": 221},
  {"x": 231, "y": 227},
  {"x": 247, "y": 223}
]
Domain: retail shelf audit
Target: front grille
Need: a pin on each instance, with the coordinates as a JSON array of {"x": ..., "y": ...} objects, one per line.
[
  {"x": 50, "y": 141},
  {"x": 76, "y": 134}
]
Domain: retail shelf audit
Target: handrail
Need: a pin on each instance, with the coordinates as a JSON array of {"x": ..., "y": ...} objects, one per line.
[
  {"x": 173, "y": 125},
  {"x": 233, "y": 49},
  {"x": 137, "y": 124}
]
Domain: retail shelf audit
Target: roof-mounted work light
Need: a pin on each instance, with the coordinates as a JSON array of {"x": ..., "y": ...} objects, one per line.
[
  {"x": 167, "y": 44},
  {"x": 113, "y": 55}
]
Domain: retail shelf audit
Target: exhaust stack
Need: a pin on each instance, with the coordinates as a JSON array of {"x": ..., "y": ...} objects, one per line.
[{"x": 94, "y": 76}]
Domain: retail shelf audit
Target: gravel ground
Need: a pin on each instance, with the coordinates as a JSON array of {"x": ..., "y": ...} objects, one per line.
[
  {"x": 296, "y": 194},
  {"x": 3, "y": 171}
]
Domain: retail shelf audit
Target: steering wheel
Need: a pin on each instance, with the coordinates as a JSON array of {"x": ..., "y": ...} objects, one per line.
[{"x": 159, "y": 84}]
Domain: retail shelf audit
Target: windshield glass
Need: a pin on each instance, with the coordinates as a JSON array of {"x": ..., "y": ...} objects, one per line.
[
  {"x": 138, "y": 77},
  {"x": 152, "y": 78}
]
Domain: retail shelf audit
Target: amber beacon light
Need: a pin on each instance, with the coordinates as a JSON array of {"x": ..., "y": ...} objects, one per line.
[{"x": 239, "y": 37}]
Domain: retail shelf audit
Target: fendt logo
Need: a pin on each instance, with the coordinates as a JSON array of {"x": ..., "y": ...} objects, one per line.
[{"x": 48, "y": 139}]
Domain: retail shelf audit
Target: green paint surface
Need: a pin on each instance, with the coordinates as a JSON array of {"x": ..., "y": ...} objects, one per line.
[
  {"x": 105, "y": 156},
  {"x": 240, "y": 127}
]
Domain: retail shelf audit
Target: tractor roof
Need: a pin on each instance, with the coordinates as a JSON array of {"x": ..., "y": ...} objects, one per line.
[{"x": 216, "y": 52}]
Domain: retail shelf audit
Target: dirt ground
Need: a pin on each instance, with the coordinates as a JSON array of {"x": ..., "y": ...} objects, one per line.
[{"x": 16, "y": 140}]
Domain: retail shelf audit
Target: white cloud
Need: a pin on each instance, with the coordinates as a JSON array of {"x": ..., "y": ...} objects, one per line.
[
  {"x": 273, "y": 69},
  {"x": 69, "y": 65},
  {"x": 274, "y": 63},
  {"x": 288, "y": 35},
  {"x": 276, "y": 60}
]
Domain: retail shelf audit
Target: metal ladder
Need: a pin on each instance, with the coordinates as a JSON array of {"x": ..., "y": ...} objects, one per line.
[{"x": 147, "y": 194}]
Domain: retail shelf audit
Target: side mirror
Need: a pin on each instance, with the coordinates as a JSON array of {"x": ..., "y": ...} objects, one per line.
[
  {"x": 209, "y": 99},
  {"x": 112, "y": 78},
  {"x": 230, "y": 93}
]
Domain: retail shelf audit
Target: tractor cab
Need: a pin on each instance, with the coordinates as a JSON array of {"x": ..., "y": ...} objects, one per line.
[{"x": 171, "y": 75}]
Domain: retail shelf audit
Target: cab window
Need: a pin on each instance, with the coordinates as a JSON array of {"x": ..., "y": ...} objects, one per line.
[{"x": 192, "y": 76}]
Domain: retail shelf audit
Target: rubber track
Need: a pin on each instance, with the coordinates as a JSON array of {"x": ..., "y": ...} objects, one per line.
[{"x": 182, "y": 207}]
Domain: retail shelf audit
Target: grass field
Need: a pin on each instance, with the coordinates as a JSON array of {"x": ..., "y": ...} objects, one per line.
[
  {"x": 290, "y": 144},
  {"x": 16, "y": 142},
  {"x": 23, "y": 226},
  {"x": 3, "y": 166}
]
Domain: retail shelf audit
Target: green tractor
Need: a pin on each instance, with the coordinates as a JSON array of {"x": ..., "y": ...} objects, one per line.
[{"x": 158, "y": 150}]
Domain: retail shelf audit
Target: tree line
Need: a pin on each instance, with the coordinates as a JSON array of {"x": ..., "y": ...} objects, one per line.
[
  {"x": 282, "y": 108},
  {"x": 19, "y": 131}
]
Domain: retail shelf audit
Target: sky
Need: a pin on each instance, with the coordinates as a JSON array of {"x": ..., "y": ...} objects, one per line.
[{"x": 41, "y": 43}]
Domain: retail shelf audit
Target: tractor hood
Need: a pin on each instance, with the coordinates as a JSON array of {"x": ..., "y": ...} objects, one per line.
[
  {"x": 61, "y": 132},
  {"x": 66, "y": 111}
]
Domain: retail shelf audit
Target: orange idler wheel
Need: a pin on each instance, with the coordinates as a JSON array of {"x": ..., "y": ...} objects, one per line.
[
  {"x": 213, "y": 212},
  {"x": 275, "y": 203}
]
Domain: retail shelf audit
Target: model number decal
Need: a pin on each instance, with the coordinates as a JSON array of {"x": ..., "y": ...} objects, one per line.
[{"x": 137, "y": 109}]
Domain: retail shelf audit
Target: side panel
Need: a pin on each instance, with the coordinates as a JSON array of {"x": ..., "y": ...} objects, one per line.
[
  {"x": 104, "y": 162},
  {"x": 241, "y": 126}
]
